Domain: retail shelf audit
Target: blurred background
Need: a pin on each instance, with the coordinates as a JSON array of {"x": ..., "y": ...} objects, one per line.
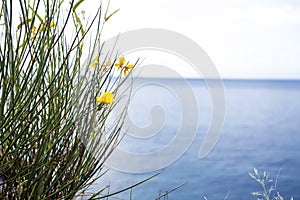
[{"x": 256, "y": 49}]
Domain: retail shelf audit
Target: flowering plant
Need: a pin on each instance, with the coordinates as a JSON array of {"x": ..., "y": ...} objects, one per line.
[{"x": 55, "y": 100}]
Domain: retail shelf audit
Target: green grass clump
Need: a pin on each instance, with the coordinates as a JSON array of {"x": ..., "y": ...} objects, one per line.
[{"x": 54, "y": 137}]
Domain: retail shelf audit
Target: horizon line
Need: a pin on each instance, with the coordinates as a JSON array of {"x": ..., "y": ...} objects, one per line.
[{"x": 223, "y": 79}]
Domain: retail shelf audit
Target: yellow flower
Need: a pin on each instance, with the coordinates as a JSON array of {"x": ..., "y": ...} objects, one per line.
[
  {"x": 41, "y": 27},
  {"x": 128, "y": 68},
  {"x": 108, "y": 63},
  {"x": 106, "y": 98},
  {"x": 33, "y": 30},
  {"x": 52, "y": 24},
  {"x": 95, "y": 62},
  {"x": 121, "y": 62}
]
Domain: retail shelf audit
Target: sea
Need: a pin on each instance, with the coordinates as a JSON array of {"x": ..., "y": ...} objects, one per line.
[{"x": 260, "y": 129}]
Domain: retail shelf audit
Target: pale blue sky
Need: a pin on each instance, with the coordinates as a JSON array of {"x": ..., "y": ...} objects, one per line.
[{"x": 244, "y": 38}]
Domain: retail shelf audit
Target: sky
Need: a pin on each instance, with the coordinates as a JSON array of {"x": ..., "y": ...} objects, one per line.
[{"x": 244, "y": 38}]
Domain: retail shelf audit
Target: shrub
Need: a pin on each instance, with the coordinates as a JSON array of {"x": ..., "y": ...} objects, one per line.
[{"x": 55, "y": 100}]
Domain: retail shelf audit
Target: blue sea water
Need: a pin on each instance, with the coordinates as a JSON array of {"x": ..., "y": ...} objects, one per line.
[{"x": 261, "y": 130}]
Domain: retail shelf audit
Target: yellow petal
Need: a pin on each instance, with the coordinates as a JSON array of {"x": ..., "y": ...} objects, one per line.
[
  {"x": 108, "y": 63},
  {"x": 52, "y": 24},
  {"x": 33, "y": 30},
  {"x": 122, "y": 60},
  {"x": 106, "y": 98},
  {"x": 130, "y": 66},
  {"x": 95, "y": 62},
  {"x": 41, "y": 27},
  {"x": 125, "y": 72},
  {"x": 99, "y": 99},
  {"x": 118, "y": 65}
]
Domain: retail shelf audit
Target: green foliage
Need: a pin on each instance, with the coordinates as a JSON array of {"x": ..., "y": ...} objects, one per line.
[{"x": 54, "y": 137}]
